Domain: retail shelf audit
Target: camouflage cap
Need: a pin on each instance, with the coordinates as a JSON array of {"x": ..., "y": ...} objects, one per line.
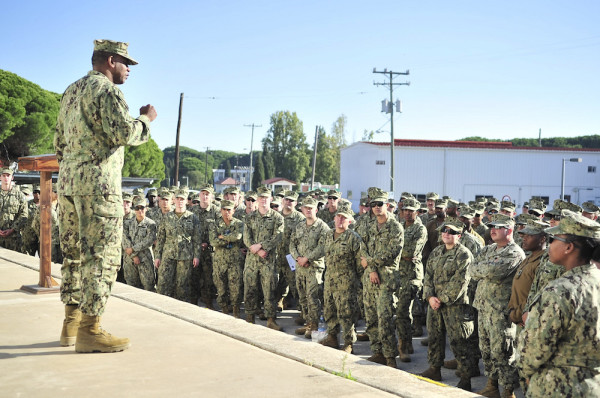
[
  {"x": 280, "y": 192},
  {"x": 334, "y": 193},
  {"x": 560, "y": 205},
  {"x": 537, "y": 206},
  {"x": 404, "y": 195},
  {"x": 364, "y": 201},
  {"x": 507, "y": 205},
  {"x": 195, "y": 197},
  {"x": 442, "y": 203},
  {"x": 27, "y": 189},
  {"x": 573, "y": 223},
  {"x": 501, "y": 220},
  {"x": 263, "y": 191},
  {"x": 251, "y": 195},
  {"x": 321, "y": 199},
  {"x": 276, "y": 201},
  {"x": 55, "y": 187},
  {"x": 432, "y": 196},
  {"x": 391, "y": 202},
  {"x": 127, "y": 196},
  {"x": 478, "y": 208},
  {"x": 164, "y": 192},
  {"x": 492, "y": 206},
  {"x": 481, "y": 199},
  {"x": 290, "y": 195},
  {"x": 382, "y": 197},
  {"x": 345, "y": 212},
  {"x": 534, "y": 227},
  {"x": 207, "y": 188},
  {"x": 219, "y": 197},
  {"x": 309, "y": 202},
  {"x": 139, "y": 202},
  {"x": 590, "y": 207},
  {"x": 374, "y": 192},
  {"x": 424, "y": 207},
  {"x": 181, "y": 193},
  {"x": 152, "y": 192},
  {"x": 114, "y": 47},
  {"x": 234, "y": 189},
  {"x": 227, "y": 204},
  {"x": 467, "y": 212},
  {"x": 452, "y": 203},
  {"x": 7, "y": 170},
  {"x": 523, "y": 219},
  {"x": 493, "y": 200},
  {"x": 411, "y": 204},
  {"x": 36, "y": 187},
  {"x": 138, "y": 192},
  {"x": 453, "y": 223}
]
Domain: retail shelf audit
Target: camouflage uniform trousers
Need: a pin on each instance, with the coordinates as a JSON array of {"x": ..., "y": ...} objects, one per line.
[
  {"x": 339, "y": 309},
  {"x": 456, "y": 321},
  {"x": 202, "y": 284},
  {"x": 261, "y": 273},
  {"x": 227, "y": 276},
  {"x": 287, "y": 279},
  {"x": 91, "y": 243},
  {"x": 174, "y": 278},
  {"x": 13, "y": 242},
  {"x": 379, "y": 314},
  {"x": 405, "y": 294},
  {"x": 309, "y": 282},
  {"x": 142, "y": 274},
  {"x": 496, "y": 342}
]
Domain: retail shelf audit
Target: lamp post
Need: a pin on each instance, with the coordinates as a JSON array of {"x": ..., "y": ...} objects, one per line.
[{"x": 562, "y": 183}]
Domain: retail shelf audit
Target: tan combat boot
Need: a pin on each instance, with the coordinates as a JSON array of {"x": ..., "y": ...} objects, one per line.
[
  {"x": 403, "y": 351},
  {"x": 362, "y": 336},
  {"x": 250, "y": 318},
  {"x": 301, "y": 330},
  {"x": 70, "y": 325},
  {"x": 377, "y": 358},
  {"x": 451, "y": 364},
  {"x": 309, "y": 329},
  {"x": 331, "y": 341},
  {"x": 271, "y": 324},
  {"x": 91, "y": 337},
  {"x": 491, "y": 389},
  {"x": 464, "y": 383},
  {"x": 348, "y": 348},
  {"x": 391, "y": 362},
  {"x": 280, "y": 305},
  {"x": 432, "y": 373},
  {"x": 236, "y": 311}
]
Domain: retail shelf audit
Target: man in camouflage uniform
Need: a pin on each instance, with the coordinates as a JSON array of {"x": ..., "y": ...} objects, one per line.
[
  {"x": 177, "y": 250},
  {"x": 379, "y": 258},
  {"x": 128, "y": 215},
  {"x": 433, "y": 237},
  {"x": 202, "y": 276},
  {"x": 55, "y": 250},
  {"x": 477, "y": 224},
  {"x": 558, "y": 349},
  {"x": 13, "y": 212},
  {"x": 29, "y": 237},
  {"x": 590, "y": 210},
  {"x": 286, "y": 288},
  {"x": 152, "y": 196},
  {"x": 307, "y": 248},
  {"x": 93, "y": 127},
  {"x": 342, "y": 259},
  {"x": 139, "y": 233},
  {"x": 226, "y": 239},
  {"x": 446, "y": 283},
  {"x": 494, "y": 269},
  {"x": 158, "y": 213},
  {"x": 262, "y": 233},
  {"x": 328, "y": 212},
  {"x": 431, "y": 197},
  {"x": 410, "y": 273},
  {"x": 233, "y": 194}
]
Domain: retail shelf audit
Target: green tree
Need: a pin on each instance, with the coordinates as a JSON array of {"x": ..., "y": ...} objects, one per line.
[
  {"x": 286, "y": 143},
  {"x": 368, "y": 136},
  {"x": 227, "y": 167},
  {"x": 145, "y": 160},
  {"x": 327, "y": 166},
  {"x": 28, "y": 116},
  {"x": 338, "y": 138},
  {"x": 269, "y": 164},
  {"x": 258, "y": 176}
]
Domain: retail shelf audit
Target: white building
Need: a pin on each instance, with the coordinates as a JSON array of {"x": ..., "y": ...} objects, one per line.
[
  {"x": 465, "y": 170},
  {"x": 239, "y": 174}
]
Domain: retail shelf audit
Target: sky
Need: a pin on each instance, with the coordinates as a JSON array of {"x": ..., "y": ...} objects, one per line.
[{"x": 498, "y": 70}]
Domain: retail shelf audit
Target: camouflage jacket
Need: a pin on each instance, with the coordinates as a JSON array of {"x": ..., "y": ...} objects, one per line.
[
  {"x": 545, "y": 273},
  {"x": 290, "y": 222},
  {"x": 411, "y": 265},
  {"x": 327, "y": 216},
  {"x": 308, "y": 241},
  {"x": 14, "y": 211},
  {"x": 342, "y": 256},
  {"x": 382, "y": 248},
  {"x": 232, "y": 234},
  {"x": 139, "y": 236},
  {"x": 178, "y": 237},
  {"x": 212, "y": 212},
  {"x": 559, "y": 344},
  {"x": 93, "y": 127},
  {"x": 362, "y": 222},
  {"x": 494, "y": 269},
  {"x": 266, "y": 230},
  {"x": 471, "y": 242},
  {"x": 447, "y": 276}
]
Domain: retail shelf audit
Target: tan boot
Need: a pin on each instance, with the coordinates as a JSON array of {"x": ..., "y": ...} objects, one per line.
[
  {"x": 508, "y": 392},
  {"x": 70, "y": 325},
  {"x": 250, "y": 318},
  {"x": 280, "y": 305},
  {"x": 490, "y": 390},
  {"x": 301, "y": 330},
  {"x": 432, "y": 373},
  {"x": 309, "y": 329},
  {"x": 403, "y": 351},
  {"x": 91, "y": 337},
  {"x": 271, "y": 324},
  {"x": 236, "y": 311},
  {"x": 464, "y": 383},
  {"x": 391, "y": 362},
  {"x": 348, "y": 348},
  {"x": 451, "y": 364},
  {"x": 331, "y": 341},
  {"x": 377, "y": 358},
  {"x": 362, "y": 337}
]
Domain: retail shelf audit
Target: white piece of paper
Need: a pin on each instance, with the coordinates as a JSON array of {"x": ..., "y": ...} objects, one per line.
[{"x": 291, "y": 262}]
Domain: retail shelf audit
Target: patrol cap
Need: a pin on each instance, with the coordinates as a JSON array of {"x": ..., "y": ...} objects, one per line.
[
  {"x": 391, "y": 202},
  {"x": 590, "y": 207},
  {"x": 219, "y": 197},
  {"x": 181, "y": 193},
  {"x": 441, "y": 203},
  {"x": 452, "y": 203},
  {"x": 573, "y": 223},
  {"x": 280, "y": 192},
  {"x": 467, "y": 212},
  {"x": 382, "y": 197},
  {"x": 7, "y": 170},
  {"x": 152, "y": 192},
  {"x": 321, "y": 199},
  {"x": 364, "y": 201},
  {"x": 290, "y": 195},
  {"x": 501, "y": 220},
  {"x": 537, "y": 206},
  {"x": 374, "y": 192},
  {"x": 523, "y": 219},
  {"x": 114, "y": 47},
  {"x": 560, "y": 205},
  {"x": 309, "y": 202},
  {"x": 227, "y": 204},
  {"x": 478, "y": 208},
  {"x": 453, "y": 223},
  {"x": 251, "y": 195},
  {"x": 526, "y": 205},
  {"x": 411, "y": 204},
  {"x": 27, "y": 189},
  {"x": 139, "y": 202},
  {"x": 423, "y": 208},
  {"x": 207, "y": 188},
  {"x": 138, "y": 192},
  {"x": 345, "y": 212},
  {"x": 334, "y": 193},
  {"x": 276, "y": 201},
  {"x": 493, "y": 201},
  {"x": 406, "y": 195},
  {"x": 195, "y": 197},
  {"x": 233, "y": 189},
  {"x": 36, "y": 187},
  {"x": 507, "y": 205},
  {"x": 432, "y": 196},
  {"x": 534, "y": 227},
  {"x": 127, "y": 196},
  {"x": 263, "y": 191},
  {"x": 492, "y": 206},
  {"x": 165, "y": 193}
]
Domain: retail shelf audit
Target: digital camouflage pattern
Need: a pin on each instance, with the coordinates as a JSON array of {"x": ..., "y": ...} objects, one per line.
[
  {"x": 14, "y": 213},
  {"x": 287, "y": 277},
  {"x": 266, "y": 230},
  {"x": 558, "y": 348},
  {"x": 546, "y": 272},
  {"x": 202, "y": 276},
  {"x": 309, "y": 241},
  {"x": 56, "y": 252},
  {"x": 29, "y": 236},
  {"x": 139, "y": 236},
  {"x": 226, "y": 241},
  {"x": 494, "y": 269}
]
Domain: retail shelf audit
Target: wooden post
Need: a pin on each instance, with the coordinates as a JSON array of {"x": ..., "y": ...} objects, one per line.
[{"x": 45, "y": 164}]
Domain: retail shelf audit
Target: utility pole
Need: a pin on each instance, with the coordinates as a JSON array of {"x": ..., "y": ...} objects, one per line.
[
  {"x": 312, "y": 180},
  {"x": 391, "y": 85},
  {"x": 206, "y": 166},
  {"x": 251, "y": 143},
  {"x": 177, "y": 141}
]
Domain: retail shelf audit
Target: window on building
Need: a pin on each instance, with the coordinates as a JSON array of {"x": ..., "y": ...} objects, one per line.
[
  {"x": 483, "y": 196},
  {"x": 591, "y": 169},
  {"x": 380, "y": 162},
  {"x": 421, "y": 197}
]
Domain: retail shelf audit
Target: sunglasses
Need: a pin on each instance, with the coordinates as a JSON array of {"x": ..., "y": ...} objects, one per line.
[
  {"x": 274, "y": 206},
  {"x": 138, "y": 208},
  {"x": 491, "y": 212},
  {"x": 553, "y": 217},
  {"x": 377, "y": 204},
  {"x": 450, "y": 231},
  {"x": 251, "y": 200},
  {"x": 332, "y": 197},
  {"x": 552, "y": 238}
]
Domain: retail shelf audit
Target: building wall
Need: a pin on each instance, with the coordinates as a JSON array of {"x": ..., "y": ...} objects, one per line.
[{"x": 463, "y": 173}]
